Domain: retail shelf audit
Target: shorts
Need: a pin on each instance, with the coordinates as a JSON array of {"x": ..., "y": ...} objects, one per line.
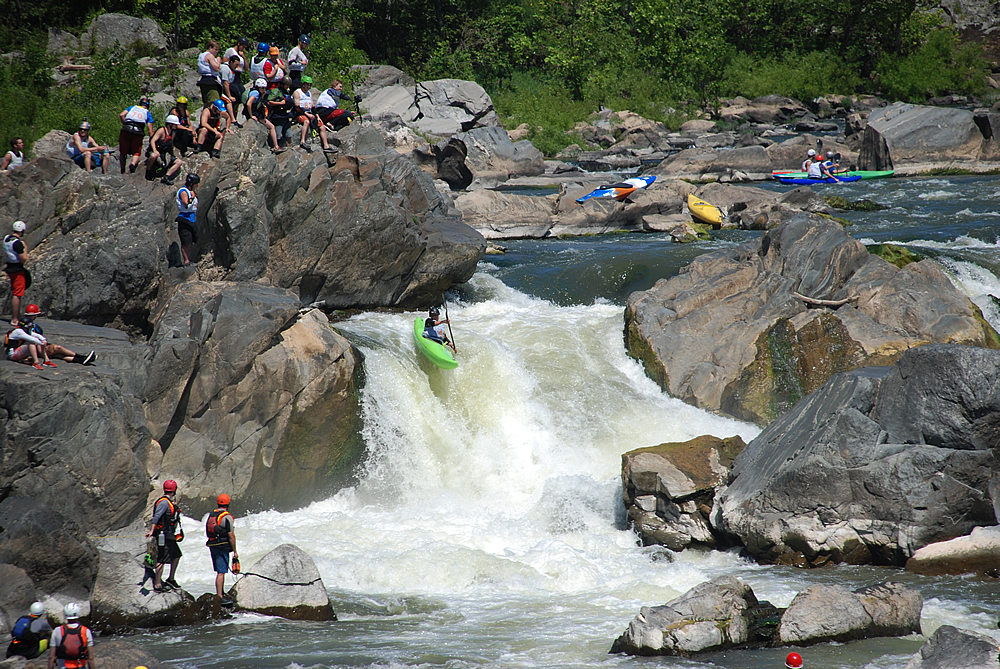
[
  {"x": 18, "y": 283},
  {"x": 129, "y": 144},
  {"x": 220, "y": 558},
  {"x": 186, "y": 232},
  {"x": 81, "y": 160},
  {"x": 211, "y": 90},
  {"x": 18, "y": 354},
  {"x": 168, "y": 552}
]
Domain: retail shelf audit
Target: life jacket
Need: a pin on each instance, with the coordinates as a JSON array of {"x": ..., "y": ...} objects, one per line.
[
  {"x": 22, "y": 634},
  {"x": 135, "y": 120},
  {"x": 16, "y": 160},
  {"x": 259, "y": 107},
  {"x": 216, "y": 532},
  {"x": 168, "y": 520},
  {"x": 257, "y": 68},
  {"x": 188, "y": 210},
  {"x": 165, "y": 144},
  {"x": 8, "y": 249},
  {"x": 73, "y": 647},
  {"x": 214, "y": 117},
  {"x": 305, "y": 100}
]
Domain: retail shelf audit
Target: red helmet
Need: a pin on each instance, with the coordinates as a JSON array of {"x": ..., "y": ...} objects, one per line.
[
  {"x": 169, "y": 485},
  {"x": 223, "y": 499},
  {"x": 32, "y": 310},
  {"x": 793, "y": 661}
]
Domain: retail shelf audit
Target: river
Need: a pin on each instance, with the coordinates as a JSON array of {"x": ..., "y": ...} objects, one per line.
[{"x": 486, "y": 526}]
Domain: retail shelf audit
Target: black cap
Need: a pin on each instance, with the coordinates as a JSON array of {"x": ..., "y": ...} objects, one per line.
[
  {"x": 192, "y": 179},
  {"x": 243, "y": 41}
]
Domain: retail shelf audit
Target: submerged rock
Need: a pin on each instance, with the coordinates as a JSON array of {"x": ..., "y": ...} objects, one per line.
[{"x": 285, "y": 583}]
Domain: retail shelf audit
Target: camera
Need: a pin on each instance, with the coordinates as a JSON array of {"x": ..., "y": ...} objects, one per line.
[{"x": 357, "y": 98}]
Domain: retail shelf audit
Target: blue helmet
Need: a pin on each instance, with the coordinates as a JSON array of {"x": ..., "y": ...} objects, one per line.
[
  {"x": 263, "y": 47},
  {"x": 219, "y": 104}
]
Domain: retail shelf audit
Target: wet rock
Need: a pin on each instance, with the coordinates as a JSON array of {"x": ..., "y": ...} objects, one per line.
[
  {"x": 52, "y": 549},
  {"x": 285, "y": 583},
  {"x": 663, "y": 222},
  {"x": 668, "y": 489},
  {"x": 685, "y": 233},
  {"x": 764, "y": 339},
  {"x": 711, "y": 616},
  {"x": 864, "y": 471},
  {"x": 953, "y": 648},
  {"x": 834, "y": 613},
  {"x": 977, "y": 553},
  {"x": 122, "y": 654}
]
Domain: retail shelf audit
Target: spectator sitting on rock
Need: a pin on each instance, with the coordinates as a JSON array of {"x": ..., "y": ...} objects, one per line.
[
  {"x": 297, "y": 61},
  {"x": 279, "y": 110},
  {"x": 305, "y": 114},
  {"x": 274, "y": 68},
  {"x": 328, "y": 103},
  {"x": 85, "y": 152},
  {"x": 256, "y": 108},
  {"x": 208, "y": 68},
  {"x": 44, "y": 348},
  {"x": 15, "y": 157},
  {"x": 212, "y": 130},
  {"x": 160, "y": 158},
  {"x": 184, "y": 132},
  {"x": 137, "y": 122},
  {"x": 228, "y": 76},
  {"x": 30, "y": 634}
]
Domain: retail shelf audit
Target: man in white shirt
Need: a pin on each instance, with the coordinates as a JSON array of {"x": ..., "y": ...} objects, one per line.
[{"x": 297, "y": 61}]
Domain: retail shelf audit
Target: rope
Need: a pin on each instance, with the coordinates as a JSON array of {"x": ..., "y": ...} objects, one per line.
[
  {"x": 118, "y": 536},
  {"x": 250, "y": 573}
]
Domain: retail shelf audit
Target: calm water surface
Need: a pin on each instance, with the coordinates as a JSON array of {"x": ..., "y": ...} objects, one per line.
[{"x": 487, "y": 525}]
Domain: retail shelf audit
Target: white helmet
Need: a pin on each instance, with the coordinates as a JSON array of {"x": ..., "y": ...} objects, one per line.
[
  {"x": 71, "y": 611},
  {"x": 172, "y": 118},
  {"x": 811, "y": 152},
  {"x": 19, "y": 226},
  {"x": 260, "y": 83},
  {"x": 37, "y": 609}
]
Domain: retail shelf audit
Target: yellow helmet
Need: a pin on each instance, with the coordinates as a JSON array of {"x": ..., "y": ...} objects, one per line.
[{"x": 182, "y": 100}]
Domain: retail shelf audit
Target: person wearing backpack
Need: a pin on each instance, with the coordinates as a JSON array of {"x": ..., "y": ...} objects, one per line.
[
  {"x": 30, "y": 636},
  {"x": 72, "y": 644},
  {"x": 221, "y": 541},
  {"x": 165, "y": 527}
]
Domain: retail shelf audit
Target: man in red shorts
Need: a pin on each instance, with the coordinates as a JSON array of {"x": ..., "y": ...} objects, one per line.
[
  {"x": 16, "y": 254},
  {"x": 137, "y": 122}
]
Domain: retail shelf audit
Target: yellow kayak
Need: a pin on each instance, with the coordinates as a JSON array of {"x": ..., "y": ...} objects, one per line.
[{"x": 703, "y": 212}]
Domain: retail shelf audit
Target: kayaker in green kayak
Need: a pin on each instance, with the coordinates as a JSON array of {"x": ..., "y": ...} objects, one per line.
[{"x": 434, "y": 328}]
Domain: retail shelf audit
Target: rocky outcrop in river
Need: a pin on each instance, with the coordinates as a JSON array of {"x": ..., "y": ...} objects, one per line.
[{"x": 753, "y": 329}]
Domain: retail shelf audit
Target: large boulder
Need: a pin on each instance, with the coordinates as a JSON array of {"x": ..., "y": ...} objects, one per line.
[
  {"x": 977, "y": 553},
  {"x": 481, "y": 157},
  {"x": 669, "y": 489},
  {"x": 753, "y": 329},
  {"x": 247, "y": 396},
  {"x": 498, "y": 215},
  {"x": 915, "y": 138},
  {"x": 834, "y": 613},
  {"x": 715, "y": 615},
  {"x": 285, "y": 583},
  {"x": 953, "y": 648},
  {"x": 711, "y": 164},
  {"x": 377, "y": 77},
  {"x": 51, "y": 549},
  {"x": 111, "y": 30},
  {"x": 17, "y": 593},
  {"x": 842, "y": 476}
]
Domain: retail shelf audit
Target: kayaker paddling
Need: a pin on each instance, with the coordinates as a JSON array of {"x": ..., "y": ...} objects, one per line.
[{"x": 434, "y": 328}]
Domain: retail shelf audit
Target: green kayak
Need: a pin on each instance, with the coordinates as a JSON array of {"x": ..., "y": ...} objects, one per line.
[
  {"x": 864, "y": 174},
  {"x": 438, "y": 354}
]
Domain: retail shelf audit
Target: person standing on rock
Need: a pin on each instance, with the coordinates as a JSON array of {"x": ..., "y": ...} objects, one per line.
[
  {"x": 30, "y": 636},
  {"x": 297, "y": 61},
  {"x": 15, "y": 157},
  {"x": 208, "y": 67},
  {"x": 221, "y": 542},
  {"x": 166, "y": 516},
  {"x": 187, "y": 212},
  {"x": 15, "y": 253},
  {"x": 71, "y": 645},
  {"x": 137, "y": 122}
]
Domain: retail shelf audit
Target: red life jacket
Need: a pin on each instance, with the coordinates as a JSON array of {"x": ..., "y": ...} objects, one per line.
[
  {"x": 73, "y": 647},
  {"x": 216, "y": 532},
  {"x": 168, "y": 520}
]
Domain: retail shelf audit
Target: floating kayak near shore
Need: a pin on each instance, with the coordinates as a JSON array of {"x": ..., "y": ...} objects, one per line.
[
  {"x": 437, "y": 353},
  {"x": 619, "y": 191},
  {"x": 703, "y": 212},
  {"x": 861, "y": 174}
]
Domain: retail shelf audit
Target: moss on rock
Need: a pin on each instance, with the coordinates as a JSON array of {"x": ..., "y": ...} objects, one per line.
[{"x": 899, "y": 256}]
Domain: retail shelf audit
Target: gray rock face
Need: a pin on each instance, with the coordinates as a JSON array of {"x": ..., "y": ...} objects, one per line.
[
  {"x": 909, "y": 137},
  {"x": 834, "y": 613},
  {"x": 122, "y": 654},
  {"x": 977, "y": 553},
  {"x": 668, "y": 489},
  {"x": 61, "y": 42},
  {"x": 52, "y": 549},
  {"x": 740, "y": 330},
  {"x": 17, "y": 592},
  {"x": 711, "y": 163},
  {"x": 109, "y": 30},
  {"x": 285, "y": 583},
  {"x": 376, "y": 77},
  {"x": 953, "y": 648},
  {"x": 93, "y": 473},
  {"x": 828, "y": 480},
  {"x": 711, "y": 616},
  {"x": 239, "y": 390}
]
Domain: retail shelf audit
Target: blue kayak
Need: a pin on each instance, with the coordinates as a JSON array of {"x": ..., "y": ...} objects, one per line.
[
  {"x": 811, "y": 182},
  {"x": 619, "y": 191}
]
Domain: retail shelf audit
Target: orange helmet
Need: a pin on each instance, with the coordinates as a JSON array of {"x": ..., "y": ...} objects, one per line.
[{"x": 223, "y": 499}]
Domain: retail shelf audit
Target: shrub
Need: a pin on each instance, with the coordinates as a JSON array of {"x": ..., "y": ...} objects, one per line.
[
  {"x": 803, "y": 77},
  {"x": 941, "y": 65}
]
